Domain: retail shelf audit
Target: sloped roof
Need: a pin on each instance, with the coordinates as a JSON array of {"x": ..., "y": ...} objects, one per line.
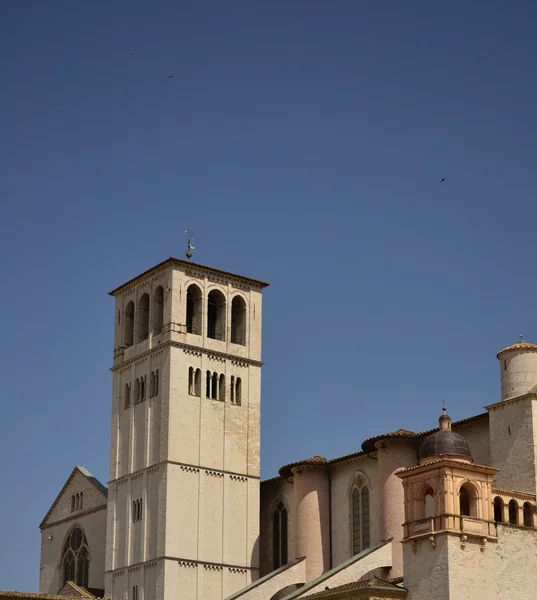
[
  {"x": 186, "y": 263},
  {"x": 522, "y": 345},
  {"x": 285, "y": 471},
  {"x": 71, "y": 589},
  {"x": 89, "y": 476},
  {"x": 372, "y": 584}
]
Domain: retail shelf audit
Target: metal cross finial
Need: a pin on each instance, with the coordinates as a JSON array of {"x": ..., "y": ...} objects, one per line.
[
  {"x": 521, "y": 338},
  {"x": 444, "y": 406},
  {"x": 190, "y": 243}
]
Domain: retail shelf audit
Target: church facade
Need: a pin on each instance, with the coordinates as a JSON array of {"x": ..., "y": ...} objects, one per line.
[{"x": 446, "y": 514}]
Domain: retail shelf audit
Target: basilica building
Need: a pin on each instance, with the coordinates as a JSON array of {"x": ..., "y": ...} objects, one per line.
[{"x": 445, "y": 514}]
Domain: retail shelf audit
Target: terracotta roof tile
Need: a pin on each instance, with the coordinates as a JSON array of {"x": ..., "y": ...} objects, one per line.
[
  {"x": 522, "y": 345},
  {"x": 285, "y": 471}
]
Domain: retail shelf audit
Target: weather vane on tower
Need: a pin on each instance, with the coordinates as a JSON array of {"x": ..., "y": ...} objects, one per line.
[{"x": 190, "y": 243}]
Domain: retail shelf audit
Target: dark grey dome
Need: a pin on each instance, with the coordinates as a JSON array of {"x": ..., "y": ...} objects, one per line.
[{"x": 444, "y": 441}]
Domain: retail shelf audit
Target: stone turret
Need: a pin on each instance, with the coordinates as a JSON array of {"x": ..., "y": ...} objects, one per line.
[{"x": 518, "y": 369}]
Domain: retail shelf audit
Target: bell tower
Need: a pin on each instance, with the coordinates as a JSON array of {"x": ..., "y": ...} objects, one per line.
[{"x": 183, "y": 505}]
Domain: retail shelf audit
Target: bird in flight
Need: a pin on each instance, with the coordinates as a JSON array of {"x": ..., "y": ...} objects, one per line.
[
  {"x": 442, "y": 180},
  {"x": 130, "y": 53},
  {"x": 170, "y": 76},
  {"x": 127, "y": 105}
]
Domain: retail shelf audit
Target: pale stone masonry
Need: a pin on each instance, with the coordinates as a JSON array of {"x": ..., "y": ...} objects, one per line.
[{"x": 446, "y": 514}]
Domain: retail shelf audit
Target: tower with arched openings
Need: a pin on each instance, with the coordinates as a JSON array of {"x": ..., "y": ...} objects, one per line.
[{"x": 183, "y": 508}]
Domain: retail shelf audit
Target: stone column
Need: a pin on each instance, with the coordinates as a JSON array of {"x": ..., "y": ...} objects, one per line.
[
  {"x": 393, "y": 454},
  {"x": 311, "y": 499}
]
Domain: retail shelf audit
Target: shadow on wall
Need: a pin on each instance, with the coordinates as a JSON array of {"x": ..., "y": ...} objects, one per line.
[
  {"x": 287, "y": 590},
  {"x": 254, "y": 557}
]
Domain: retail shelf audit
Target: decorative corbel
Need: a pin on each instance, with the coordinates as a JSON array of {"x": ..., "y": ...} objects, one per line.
[
  {"x": 433, "y": 542},
  {"x": 483, "y": 544},
  {"x": 463, "y": 541}
]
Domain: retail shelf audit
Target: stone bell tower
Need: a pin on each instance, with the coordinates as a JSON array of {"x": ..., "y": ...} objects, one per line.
[{"x": 183, "y": 505}]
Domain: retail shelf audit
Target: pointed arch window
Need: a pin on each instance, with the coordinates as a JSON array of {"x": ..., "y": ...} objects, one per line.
[
  {"x": 279, "y": 536},
  {"x": 361, "y": 536},
  {"x": 75, "y": 560}
]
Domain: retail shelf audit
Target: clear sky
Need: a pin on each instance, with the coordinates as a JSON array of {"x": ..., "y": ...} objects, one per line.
[{"x": 304, "y": 142}]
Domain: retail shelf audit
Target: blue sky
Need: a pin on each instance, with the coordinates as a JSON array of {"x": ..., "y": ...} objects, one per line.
[{"x": 304, "y": 142}]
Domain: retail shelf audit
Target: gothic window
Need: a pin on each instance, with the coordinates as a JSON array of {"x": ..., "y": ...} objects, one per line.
[
  {"x": 222, "y": 388},
  {"x": 127, "y": 399},
  {"x": 81, "y": 503},
  {"x": 279, "y": 536},
  {"x": 134, "y": 592},
  {"x": 232, "y": 390},
  {"x": 75, "y": 559},
  {"x": 142, "y": 388},
  {"x": 157, "y": 375},
  {"x": 528, "y": 518},
  {"x": 238, "y": 321},
  {"x": 73, "y": 503},
  {"x": 193, "y": 309},
  {"x": 143, "y": 318},
  {"x": 513, "y": 512},
  {"x": 498, "y": 509},
  {"x": 158, "y": 310},
  {"x": 216, "y": 315},
  {"x": 361, "y": 538},
  {"x": 128, "y": 324}
]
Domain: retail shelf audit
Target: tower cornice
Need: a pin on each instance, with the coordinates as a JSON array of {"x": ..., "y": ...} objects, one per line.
[{"x": 237, "y": 360}]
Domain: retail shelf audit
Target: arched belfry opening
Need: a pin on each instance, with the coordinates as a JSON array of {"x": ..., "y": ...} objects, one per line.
[
  {"x": 238, "y": 321},
  {"x": 498, "y": 509},
  {"x": 216, "y": 315},
  {"x": 158, "y": 310},
  {"x": 75, "y": 558},
  {"x": 193, "y": 309},
  {"x": 143, "y": 318},
  {"x": 128, "y": 325},
  {"x": 468, "y": 500}
]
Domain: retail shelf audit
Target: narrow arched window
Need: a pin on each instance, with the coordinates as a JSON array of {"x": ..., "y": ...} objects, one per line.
[
  {"x": 198, "y": 382},
  {"x": 76, "y": 501},
  {"x": 209, "y": 379},
  {"x": 361, "y": 537},
  {"x": 214, "y": 386},
  {"x": 127, "y": 399},
  {"x": 128, "y": 324},
  {"x": 191, "y": 381},
  {"x": 152, "y": 384},
  {"x": 137, "y": 391},
  {"x": 75, "y": 559},
  {"x": 498, "y": 509},
  {"x": 143, "y": 318},
  {"x": 222, "y": 388},
  {"x": 142, "y": 388},
  {"x": 513, "y": 512},
  {"x": 238, "y": 321},
  {"x": 81, "y": 500},
  {"x": 193, "y": 309},
  {"x": 232, "y": 390},
  {"x": 158, "y": 310},
  {"x": 238, "y": 391},
  {"x": 73, "y": 503},
  {"x": 216, "y": 315},
  {"x": 528, "y": 514},
  {"x": 279, "y": 536},
  {"x": 157, "y": 377}
]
